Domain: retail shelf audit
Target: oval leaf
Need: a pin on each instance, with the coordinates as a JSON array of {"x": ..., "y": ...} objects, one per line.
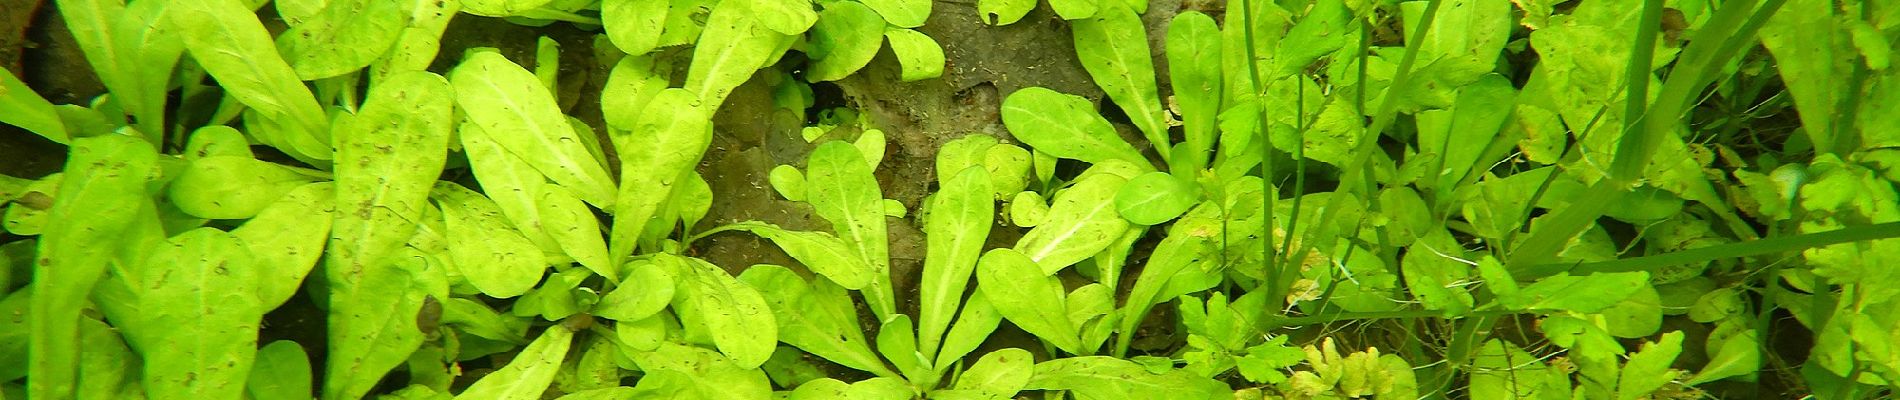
[
  {"x": 1064, "y": 126},
  {"x": 1155, "y": 197},
  {"x": 919, "y": 56},
  {"x": 846, "y": 37}
]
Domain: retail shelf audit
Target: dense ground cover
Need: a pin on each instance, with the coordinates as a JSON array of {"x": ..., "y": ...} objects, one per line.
[{"x": 893, "y": 199}]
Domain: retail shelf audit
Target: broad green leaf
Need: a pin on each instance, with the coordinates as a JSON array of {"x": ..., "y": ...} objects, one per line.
[
  {"x": 871, "y": 144},
  {"x": 788, "y": 182},
  {"x": 790, "y": 17},
  {"x": 1032, "y": 300},
  {"x": 1318, "y": 33},
  {"x": 512, "y": 183},
  {"x": 595, "y": 369},
  {"x": 1638, "y": 315},
  {"x": 897, "y": 341},
  {"x": 1008, "y": 166},
  {"x": 390, "y": 153},
  {"x": 1738, "y": 355},
  {"x": 1502, "y": 371},
  {"x": 547, "y": 65},
  {"x": 902, "y": 13},
  {"x": 392, "y": 150},
  {"x": 108, "y": 367},
  {"x": 133, "y": 51},
  {"x": 346, "y": 36},
  {"x": 819, "y": 317},
  {"x": 1809, "y": 43},
  {"x": 633, "y": 83},
  {"x": 1027, "y": 209},
  {"x": 1000, "y": 373},
  {"x": 1113, "y": 47},
  {"x": 232, "y": 45},
  {"x": 822, "y": 253},
  {"x": 232, "y": 187},
  {"x": 493, "y": 256},
  {"x": 841, "y": 189},
  {"x": 207, "y": 338},
  {"x": 960, "y": 153},
  {"x": 288, "y": 236},
  {"x": 216, "y": 140},
  {"x": 101, "y": 195},
  {"x": 634, "y": 26},
  {"x": 1432, "y": 267},
  {"x": 733, "y": 46},
  {"x": 688, "y": 200},
  {"x": 1194, "y": 70},
  {"x": 1101, "y": 377},
  {"x": 668, "y": 140},
  {"x": 574, "y": 226},
  {"x": 1585, "y": 294},
  {"x": 790, "y": 367},
  {"x": 372, "y": 321},
  {"x": 282, "y": 372},
  {"x": 1065, "y": 126},
  {"x": 517, "y": 112},
  {"x": 709, "y": 375},
  {"x": 974, "y": 324},
  {"x": 1082, "y": 222},
  {"x": 646, "y": 291},
  {"x": 685, "y": 21},
  {"x": 1003, "y": 12},
  {"x": 959, "y": 224},
  {"x": 736, "y": 315},
  {"x": 1092, "y": 311},
  {"x": 1154, "y": 198},
  {"x": 531, "y": 372},
  {"x": 476, "y": 319},
  {"x": 1648, "y": 369},
  {"x": 1074, "y": 9},
  {"x": 918, "y": 55},
  {"x": 21, "y": 107},
  {"x": 1458, "y": 136},
  {"x": 1185, "y": 245},
  {"x": 502, "y": 8},
  {"x": 419, "y": 40},
  {"x": 560, "y": 296}
]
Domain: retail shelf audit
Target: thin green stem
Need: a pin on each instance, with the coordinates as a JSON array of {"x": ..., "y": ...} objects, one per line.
[{"x": 1269, "y": 196}]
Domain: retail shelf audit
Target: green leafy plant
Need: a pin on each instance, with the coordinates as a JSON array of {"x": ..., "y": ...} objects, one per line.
[{"x": 1476, "y": 198}]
